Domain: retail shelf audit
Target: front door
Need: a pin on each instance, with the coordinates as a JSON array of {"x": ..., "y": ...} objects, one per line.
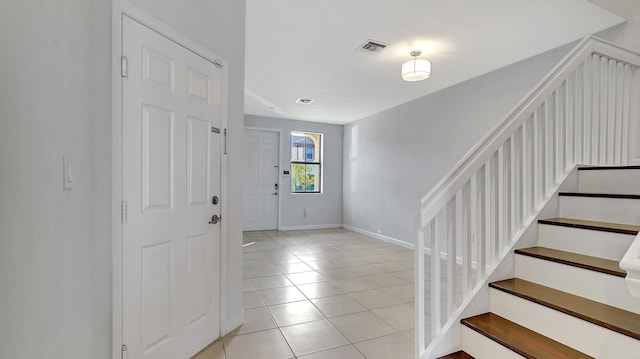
[
  {"x": 171, "y": 172},
  {"x": 261, "y": 180}
]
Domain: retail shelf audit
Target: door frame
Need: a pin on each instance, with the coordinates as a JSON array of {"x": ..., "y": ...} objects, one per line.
[
  {"x": 119, "y": 9},
  {"x": 279, "y": 132}
]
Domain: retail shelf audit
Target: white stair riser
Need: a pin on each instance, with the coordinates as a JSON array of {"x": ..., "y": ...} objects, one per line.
[
  {"x": 616, "y": 210},
  {"x": 585, "y": 283},
  {"x": 601, "y": 244},
  {"x": 481, "y": 347},
  {"x": 581, "y": 335},
  {"x": 609, "y": 181}
]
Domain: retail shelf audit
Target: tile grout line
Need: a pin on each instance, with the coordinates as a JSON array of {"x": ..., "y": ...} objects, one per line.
[{"x": 271, "y": 244}]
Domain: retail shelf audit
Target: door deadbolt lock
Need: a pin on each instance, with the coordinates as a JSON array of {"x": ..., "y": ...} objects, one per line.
[
  {"x": 215, "y": 219},
  {"x": 214, "y": 200}
]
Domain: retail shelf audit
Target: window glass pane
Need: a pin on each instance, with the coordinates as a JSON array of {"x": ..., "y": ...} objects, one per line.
[
  {"x": 313, "y": 148},
  {"x": 297, "y": 146},
  {"x": 305, "y": 178},
  {"x": 313, "y": 178},
  {"x": 309, "y": 152},
  {"x": 298, "y": 176}
]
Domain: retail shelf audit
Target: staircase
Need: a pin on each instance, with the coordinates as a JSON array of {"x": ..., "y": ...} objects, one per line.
[{"x": 568, "y": 298}]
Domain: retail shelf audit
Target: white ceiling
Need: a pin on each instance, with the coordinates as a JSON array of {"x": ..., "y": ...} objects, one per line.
[{"x": 307, "y": 49}]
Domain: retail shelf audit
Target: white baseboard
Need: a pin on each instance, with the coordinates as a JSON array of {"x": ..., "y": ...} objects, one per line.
[
  {"x": 427, "y": 251},
  {"x": 310, "y": 226},
  {"x": 381, "y": 237},
  {"x": 233, "y": 322}
]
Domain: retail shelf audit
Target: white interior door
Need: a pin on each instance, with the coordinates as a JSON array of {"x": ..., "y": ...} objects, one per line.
[
  {"x": 171, "y": 171},
  {"x": 261, "y": 180}
]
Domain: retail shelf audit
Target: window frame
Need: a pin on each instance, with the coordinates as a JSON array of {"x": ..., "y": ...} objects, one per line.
[{"x": 318, "y": 162}]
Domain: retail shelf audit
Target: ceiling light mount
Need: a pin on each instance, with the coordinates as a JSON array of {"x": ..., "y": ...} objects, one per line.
[{"x": 416, "y": 69}]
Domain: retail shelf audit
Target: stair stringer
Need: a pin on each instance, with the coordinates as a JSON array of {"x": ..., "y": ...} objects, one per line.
[{"x": 449, "y": 339}]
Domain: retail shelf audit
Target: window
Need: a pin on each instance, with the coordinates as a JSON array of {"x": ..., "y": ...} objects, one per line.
[{"x": 305, "y": 162}]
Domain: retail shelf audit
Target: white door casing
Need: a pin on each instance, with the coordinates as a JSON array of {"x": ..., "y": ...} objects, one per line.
[
  {"x": 171, "y": 100},
  {"x": 261, "y": 185}
]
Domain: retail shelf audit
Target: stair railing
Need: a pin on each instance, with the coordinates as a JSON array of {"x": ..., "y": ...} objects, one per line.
[{"x": 579, "y": 114}]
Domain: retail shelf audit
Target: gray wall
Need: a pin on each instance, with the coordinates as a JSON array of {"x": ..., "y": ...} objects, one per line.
[
  {"x": 393, "y": 158},
  {"x": 55, "y": 100},
  {"x": 625, "y": 34},
  {"x": 55, "y": 245},
  {"x": 323, "y": 209}
]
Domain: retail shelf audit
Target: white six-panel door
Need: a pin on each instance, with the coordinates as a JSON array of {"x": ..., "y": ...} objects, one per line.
[
  {"x": 261, "y": 178},
  {"x": 171, "y": 171}
]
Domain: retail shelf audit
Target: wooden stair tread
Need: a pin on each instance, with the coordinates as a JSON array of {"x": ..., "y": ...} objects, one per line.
[
  {"x": 519, "y": 339},
  {"x": 595, "y": 264},
  {"x": 457, "y": 355},
  {"x": 599, "y": 195},
  {"x": 592, "y": 225},
  {"x": 615, "y": 319}
]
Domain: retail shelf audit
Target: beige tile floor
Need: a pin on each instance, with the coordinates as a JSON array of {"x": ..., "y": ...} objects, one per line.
[{"x": 322, "y": 294}]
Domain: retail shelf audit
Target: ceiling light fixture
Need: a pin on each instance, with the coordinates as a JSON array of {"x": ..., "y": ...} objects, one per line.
[{"x": 416, "y": 69}]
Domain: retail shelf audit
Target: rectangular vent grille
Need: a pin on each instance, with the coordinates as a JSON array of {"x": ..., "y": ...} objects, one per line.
[{"x": 372, "y": 47}]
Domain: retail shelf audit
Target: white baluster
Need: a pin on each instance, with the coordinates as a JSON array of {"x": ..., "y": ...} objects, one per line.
[
  {"x": 451, "y": 258},
  {"x": 569, "y": 132},
  {"x": 467, "y": 238},
  {"x": 587, "y": 105},
  {"x": 513, "y": 208},
  {"x": 595, "y": 112},
  {"x": 559, "y": 132},
  {"x": 489, "y": 205},
  {"x": 526, "y": 169},
  {"x": 579, "y": 115},
  {"x": 537, "y": 160},
  {"x": 626, "y": 104},
  {"x": 547, "y": 140},
  {"x": 419, "y": 296},
  {"x": 435, "y": 230}
]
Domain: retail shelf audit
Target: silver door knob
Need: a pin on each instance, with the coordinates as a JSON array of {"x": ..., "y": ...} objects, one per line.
[{"x": 215, "y": 219}]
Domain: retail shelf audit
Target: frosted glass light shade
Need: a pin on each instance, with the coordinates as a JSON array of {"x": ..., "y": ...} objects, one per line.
[{"x": 416, "y": 70}]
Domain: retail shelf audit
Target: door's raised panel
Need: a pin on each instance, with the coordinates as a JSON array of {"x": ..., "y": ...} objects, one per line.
[
  {"x": 267, "y": 169},
  {"x": 197, "y": 265},
  {"x": 266, "y": 207},
  {"x": 253, "y": 169},
  {"x": 251, "y": 208},
  {"x": 157, "y": 158},
  {"x": 197, "y": 85},
  {"x": 156, "y": 295},
  {"x": 157, "y": 70},
  {"x": 253, "y": 139},
  {"x": 198, "y": 162}
]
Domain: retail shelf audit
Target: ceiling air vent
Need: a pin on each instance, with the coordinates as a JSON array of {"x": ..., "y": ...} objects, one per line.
[
  {"x": 372, "y": 47},
  {"x": 303, "y": 100}
]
